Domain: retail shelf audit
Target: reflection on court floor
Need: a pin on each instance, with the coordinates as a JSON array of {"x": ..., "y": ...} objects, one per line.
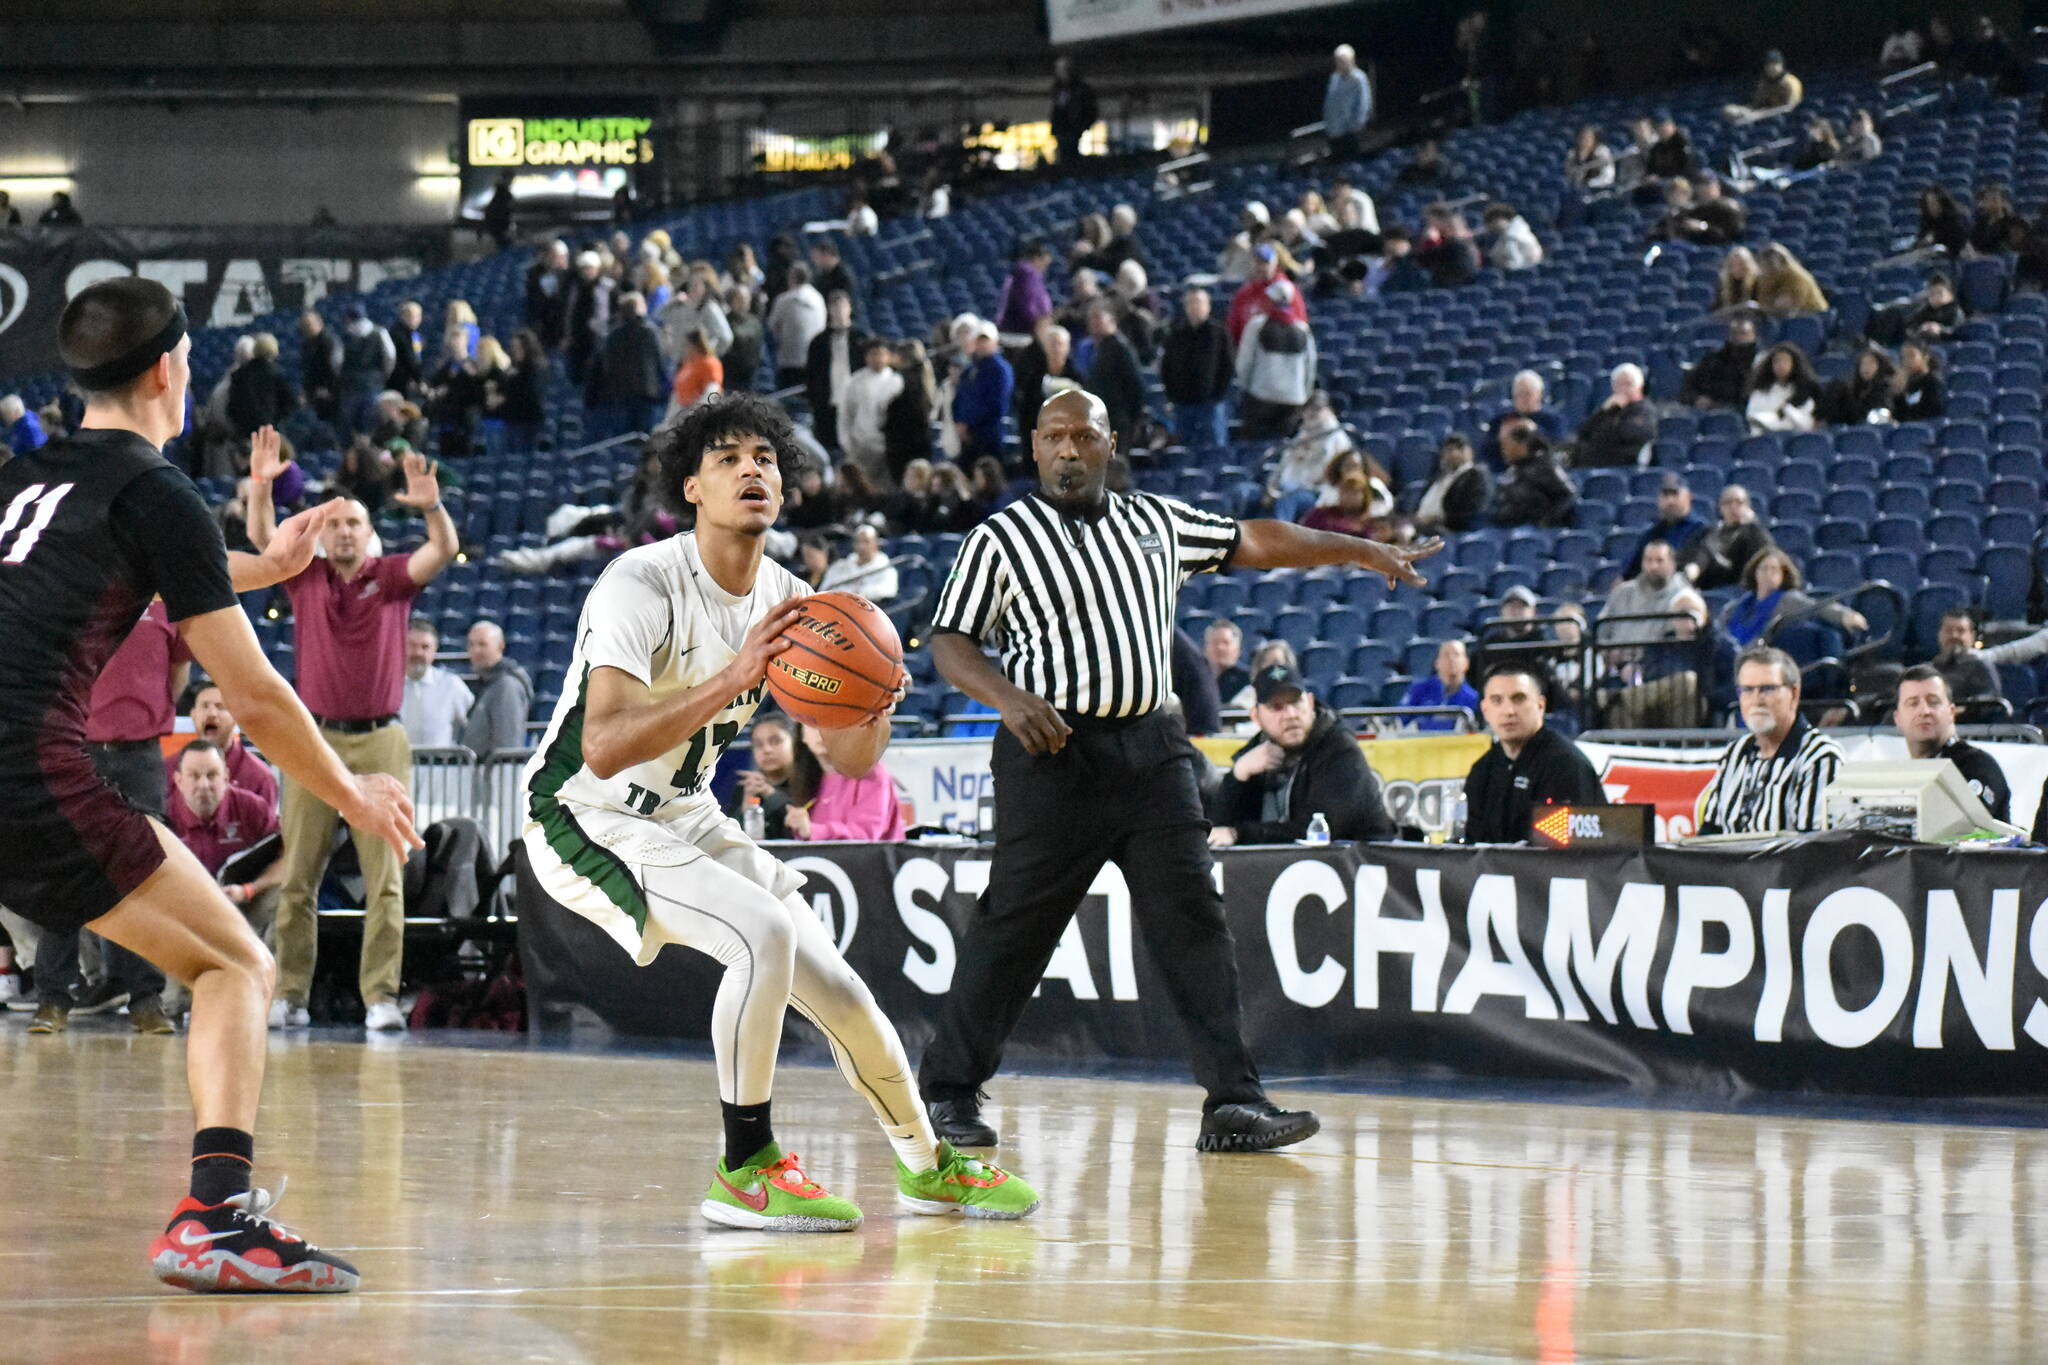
[{"x": 541, "y": 1206}]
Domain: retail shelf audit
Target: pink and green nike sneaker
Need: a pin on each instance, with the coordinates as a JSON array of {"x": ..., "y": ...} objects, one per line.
[
  {"x": 770, "y": 1192},
  {"x": 963, "y": 1185}
]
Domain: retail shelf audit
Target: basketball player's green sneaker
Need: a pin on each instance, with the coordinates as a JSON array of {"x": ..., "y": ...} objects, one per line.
[
  {"x": 771, "y": 1193},
  {"x": 964, "y": 1185}
]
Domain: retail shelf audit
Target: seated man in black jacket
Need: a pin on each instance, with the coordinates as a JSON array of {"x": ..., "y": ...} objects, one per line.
[
  {"x": 1529, "y": 765},
  {"x": 1721, "y": 378},
  {"x": 1532, "y": 490},
  {"x": 1621, "y": 428},
  {"x": 1303, "y": 762}
]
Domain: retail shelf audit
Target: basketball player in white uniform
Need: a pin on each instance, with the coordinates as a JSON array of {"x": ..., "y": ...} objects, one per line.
[{"x": 671, "y": 655}]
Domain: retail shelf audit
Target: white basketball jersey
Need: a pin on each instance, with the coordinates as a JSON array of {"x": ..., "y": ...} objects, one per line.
[{"x": 657, "y": 614}]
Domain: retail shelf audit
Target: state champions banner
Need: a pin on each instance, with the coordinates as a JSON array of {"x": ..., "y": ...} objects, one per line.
[
  {"x": 225, "y": 276},
  {"x": 1839, "y": 963}
]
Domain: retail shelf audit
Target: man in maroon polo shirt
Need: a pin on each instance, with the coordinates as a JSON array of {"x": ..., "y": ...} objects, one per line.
[
  {"x": 349, "y": 614},
  {"x": 216, "y": 820},
  {"x": 134, "y": 704},
  {"x": 214, "y": 723}
]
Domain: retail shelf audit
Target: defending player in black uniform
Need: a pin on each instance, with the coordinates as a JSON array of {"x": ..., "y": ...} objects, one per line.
[{"x": 91, "y": 529}]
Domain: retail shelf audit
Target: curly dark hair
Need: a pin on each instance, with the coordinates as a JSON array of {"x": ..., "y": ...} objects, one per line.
[{"x": 679, "y": 448}]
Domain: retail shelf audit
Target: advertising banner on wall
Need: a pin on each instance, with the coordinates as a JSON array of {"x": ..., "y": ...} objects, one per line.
[
  {"x": 1081, "y": 21},
  {"x": 566, "y": 154},
  {"x": 1841, "y": 963},
  {"x": 944, "y": 778},
  {"x": 226, "y": 276}
]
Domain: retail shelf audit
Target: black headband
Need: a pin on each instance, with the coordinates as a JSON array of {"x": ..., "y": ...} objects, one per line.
[{"x": 112, "y": 374}]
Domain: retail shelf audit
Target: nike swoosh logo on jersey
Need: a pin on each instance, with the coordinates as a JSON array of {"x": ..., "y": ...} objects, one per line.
[{"x": 757, "y": 1201}]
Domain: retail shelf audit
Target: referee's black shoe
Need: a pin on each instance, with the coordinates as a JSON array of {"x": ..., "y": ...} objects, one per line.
[
  {"x": 959, "y": 1121},
  {"x": 1256, "y": 1127}
]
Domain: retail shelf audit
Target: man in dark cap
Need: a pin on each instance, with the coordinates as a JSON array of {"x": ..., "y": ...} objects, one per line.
[{"x": 1303, "y": 762}]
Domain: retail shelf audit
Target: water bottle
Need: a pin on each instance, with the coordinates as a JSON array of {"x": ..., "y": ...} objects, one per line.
[
  {"x": 1458, "y": 817},
  {"x": 1318, "y": 829},
  {"x": 753, "y": 819}
]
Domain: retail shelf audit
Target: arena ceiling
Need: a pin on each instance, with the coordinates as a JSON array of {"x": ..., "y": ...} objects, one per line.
[{"x": 438, "y": 49}]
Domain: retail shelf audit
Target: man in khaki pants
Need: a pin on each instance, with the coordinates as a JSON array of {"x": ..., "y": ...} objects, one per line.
[{"x": 349, "y": 615}]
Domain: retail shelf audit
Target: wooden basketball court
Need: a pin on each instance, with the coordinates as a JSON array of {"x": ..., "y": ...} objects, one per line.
[{"x": 510, "y": 1203}]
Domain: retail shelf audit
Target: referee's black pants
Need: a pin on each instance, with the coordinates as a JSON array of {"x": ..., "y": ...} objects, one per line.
[{"x": 1122, "y": 792}]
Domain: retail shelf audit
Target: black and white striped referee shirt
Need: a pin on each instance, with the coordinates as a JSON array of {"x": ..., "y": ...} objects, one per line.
[
  {"x": 1082, "y": 612},
  {"x": 1751, "y": 794}
]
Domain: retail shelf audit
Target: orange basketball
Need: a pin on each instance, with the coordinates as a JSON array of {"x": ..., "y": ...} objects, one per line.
[{"x": 843, "y": 663}]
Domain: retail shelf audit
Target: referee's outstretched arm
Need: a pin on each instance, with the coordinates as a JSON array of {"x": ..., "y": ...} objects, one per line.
[{"x": 1267, "y": 544}]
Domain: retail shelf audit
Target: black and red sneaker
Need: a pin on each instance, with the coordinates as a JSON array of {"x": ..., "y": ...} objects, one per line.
[{"x": 235, "y": 1248}]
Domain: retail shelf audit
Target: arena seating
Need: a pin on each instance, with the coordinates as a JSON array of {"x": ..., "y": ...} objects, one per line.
[{"x": 1947, "y": 512}]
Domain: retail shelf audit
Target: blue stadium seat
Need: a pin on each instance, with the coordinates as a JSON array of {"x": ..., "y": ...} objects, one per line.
[
  {"x": 1857, "y": 504},
  {"x": 1835, "y": 570},
  {"x": 1395, "y": 625},
  {"x": 1904, "y": 500},
  {"x": 1833, "y": 535},
  {"x": 1928, "y": 605},
  {"x": 1898, "y": 567},
  {"x": 1373, "y": 660},
  {"x": 2009, "y": 580},
  {"x": 2011, "y": 528}
]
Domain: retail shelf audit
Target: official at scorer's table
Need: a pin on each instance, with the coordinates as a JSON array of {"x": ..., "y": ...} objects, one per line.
[{"x": 1529, "y": 765}]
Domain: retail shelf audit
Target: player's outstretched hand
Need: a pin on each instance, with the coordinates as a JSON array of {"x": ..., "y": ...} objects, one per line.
[
  {"x": 1037, "y": 726},
  {"x": 266, "y": 455},
  {"x": 1397, "y": 562},
  {"x": 763, "y": 643},
  {"x": 422, "y": 483},
  {"x": 291, "y": 548},
  {"x": 382, "y": 808}
]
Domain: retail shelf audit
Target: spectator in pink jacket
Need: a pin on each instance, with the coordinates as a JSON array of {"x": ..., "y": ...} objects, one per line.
[{"x": 862, "y": 808}]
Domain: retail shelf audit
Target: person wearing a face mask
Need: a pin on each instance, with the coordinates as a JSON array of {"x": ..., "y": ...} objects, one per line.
[{"x": 1770, "y": 781}]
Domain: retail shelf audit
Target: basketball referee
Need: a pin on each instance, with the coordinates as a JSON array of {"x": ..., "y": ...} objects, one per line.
[{"x": 1076, "y": 586}]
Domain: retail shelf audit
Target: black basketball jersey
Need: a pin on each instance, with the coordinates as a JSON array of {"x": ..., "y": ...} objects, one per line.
[{"x": 91, "y": 528}]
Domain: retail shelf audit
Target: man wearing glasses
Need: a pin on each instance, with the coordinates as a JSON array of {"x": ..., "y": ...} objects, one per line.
[{"x": 1770, "y": 780}]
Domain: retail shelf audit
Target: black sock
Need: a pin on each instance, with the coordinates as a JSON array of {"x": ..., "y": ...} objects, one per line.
[
  {"x": 747, "y": 1131},
  {"x": 222, "y": 1159}
]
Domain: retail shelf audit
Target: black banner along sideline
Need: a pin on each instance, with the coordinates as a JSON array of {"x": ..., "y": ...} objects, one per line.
[
  {"x": 1836, "y": 963},
  {"x": 225, "y": 276}
]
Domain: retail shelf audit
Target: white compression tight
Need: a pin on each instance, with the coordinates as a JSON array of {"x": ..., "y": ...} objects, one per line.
[{"x": 777, "y": 953}]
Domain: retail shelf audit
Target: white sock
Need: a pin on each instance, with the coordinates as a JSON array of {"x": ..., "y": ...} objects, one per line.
[{"x": 915, "y": 1146}]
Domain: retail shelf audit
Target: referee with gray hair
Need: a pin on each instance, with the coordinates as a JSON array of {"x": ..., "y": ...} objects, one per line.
[{"x": 1076, "y": 587}]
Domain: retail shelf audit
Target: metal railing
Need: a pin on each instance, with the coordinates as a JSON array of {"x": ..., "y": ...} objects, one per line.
[{"x": 455, "y": 782}]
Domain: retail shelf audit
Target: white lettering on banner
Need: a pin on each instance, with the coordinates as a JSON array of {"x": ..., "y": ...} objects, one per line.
[
  {"x": 86, "y": 274},
  {"x": 1426, "y": 941},
  {"x": 313, "y": 274},
  {"x": 1985, "y": 988},
  {"x": 1300, "y": 882},
  {"x": 1493, "y": 913},
  {"x": 1631, "y": 939},
  {"x": 1777, "y": 996},
  {"x": 2036, "y": 1026},
  {"x": 1874, "y": 911},
  {"x": 923, "y": 877},
  {"x": 1692, "y": 967},
  {"x": 1123, "y": 963},
  {"x": 244, "y": 294},
  {"x": 1070, "y": 964},
  {"x": 822, "y": 905}
]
